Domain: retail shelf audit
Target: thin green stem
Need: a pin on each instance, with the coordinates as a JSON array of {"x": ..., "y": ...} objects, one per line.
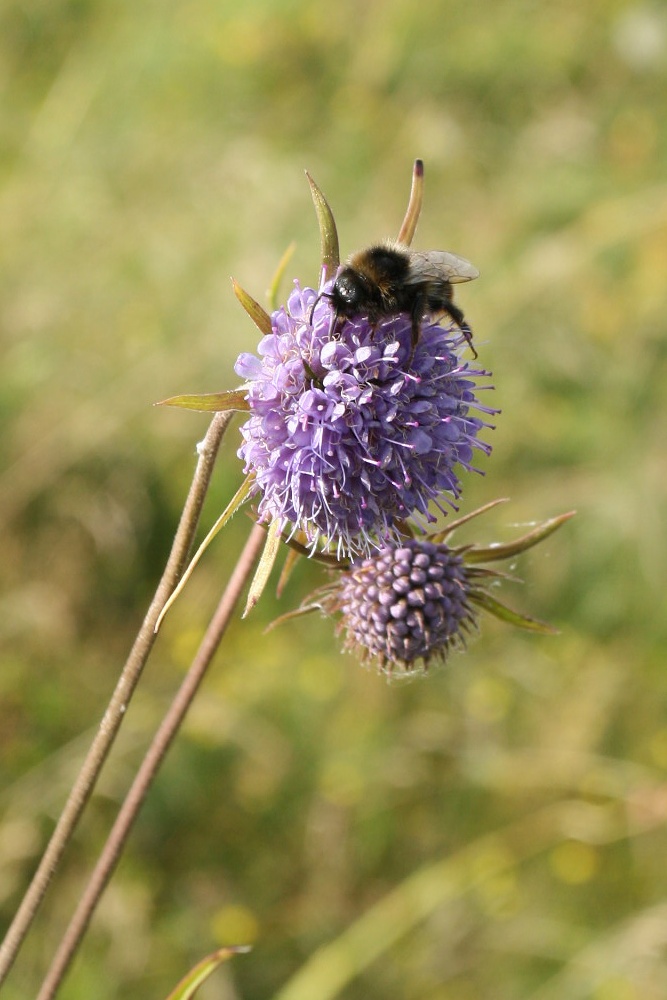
[
  {"x": 163, "y": 739},
  {"x": 113, "y": 716}
]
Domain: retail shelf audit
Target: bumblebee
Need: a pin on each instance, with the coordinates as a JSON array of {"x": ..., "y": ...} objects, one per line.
[{"x": 391, "y": 278}]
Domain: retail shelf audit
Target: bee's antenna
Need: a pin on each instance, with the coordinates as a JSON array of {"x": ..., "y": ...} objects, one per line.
[
  {"x": 310, "y": 318},
  {"x": 322, "y": 295}
]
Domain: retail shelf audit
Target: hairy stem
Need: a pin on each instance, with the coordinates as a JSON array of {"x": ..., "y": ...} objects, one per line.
[
  {"x": 149, "y": 767},
  {"x": 113, "y": 716}
]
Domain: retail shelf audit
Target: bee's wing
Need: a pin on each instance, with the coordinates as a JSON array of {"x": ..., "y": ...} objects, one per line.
[{"x": 434, "y": 265}]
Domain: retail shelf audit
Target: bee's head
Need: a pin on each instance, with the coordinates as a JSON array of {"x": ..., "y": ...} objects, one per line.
[
  {"x": 323, "y": 295},
  {"x": 351, "y": 292}
]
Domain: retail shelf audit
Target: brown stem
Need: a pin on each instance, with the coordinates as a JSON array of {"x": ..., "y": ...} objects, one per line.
[
  {"x": 110, "y": 724},
  {"x": 149, "y": 767}
]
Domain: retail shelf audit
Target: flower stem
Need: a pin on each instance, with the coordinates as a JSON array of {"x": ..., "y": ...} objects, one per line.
[
  {"x": 113, "y": 716},
  {"x": 149, "y": 767}
]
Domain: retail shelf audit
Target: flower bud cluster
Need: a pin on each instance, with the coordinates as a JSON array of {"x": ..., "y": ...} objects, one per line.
[{"x": 406, "y": 603}]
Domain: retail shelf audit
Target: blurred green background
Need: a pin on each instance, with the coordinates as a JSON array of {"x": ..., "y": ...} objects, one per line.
[{"x": 500, "y": 824}]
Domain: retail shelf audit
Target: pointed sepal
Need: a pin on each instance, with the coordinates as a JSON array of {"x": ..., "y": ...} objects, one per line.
[
  {"x": 440, "y": 536},
  {"x": 279, "y": 274},
  {"x": 506, "y": 614},
  {"x": 491, "y": 553},
  {"x": 211, "y": 402},
  {"x": 264, "y": 566},
  {"x": 407, "y": 231},
  {"x": 257, "y": 314},
  {"x": 237, "y": 500},
  {"x": 291, "y": 560},
  {"x": 190, "y": 983},
  {"x": 328, "y": 231},
  {"x": 325, "y": 558},
  {"x": 300, "y": 612}
]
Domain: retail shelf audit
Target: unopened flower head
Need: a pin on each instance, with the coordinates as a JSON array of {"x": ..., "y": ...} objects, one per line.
[
  {"x": 417, "y": 598},
  {"x": 350, "y": 428},
  {"x": 406, "y": 604}
]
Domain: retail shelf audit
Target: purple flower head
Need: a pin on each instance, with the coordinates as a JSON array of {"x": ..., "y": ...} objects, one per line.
[
  {"x": 350, "y": 429},
  {"x": 405, "y": 604}
]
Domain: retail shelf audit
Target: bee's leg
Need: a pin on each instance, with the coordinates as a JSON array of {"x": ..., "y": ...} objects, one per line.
[
  {"x": 459, "y": 319},
  {"x": 416, "y": 315}
]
